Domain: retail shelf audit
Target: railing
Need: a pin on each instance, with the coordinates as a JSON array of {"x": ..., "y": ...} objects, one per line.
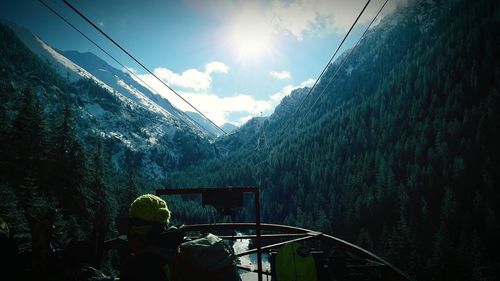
[{"x": 276, "y": 231}]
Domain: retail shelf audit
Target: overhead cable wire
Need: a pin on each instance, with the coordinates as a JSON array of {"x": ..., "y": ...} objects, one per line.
[
  {"x": 344, "y": 60},
  {"x": 118, "y": 62},
  {"x": 138, "y": 62},
  {"x": 329, "y": 62}
]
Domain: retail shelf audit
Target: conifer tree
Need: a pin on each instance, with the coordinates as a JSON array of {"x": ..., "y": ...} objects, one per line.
[
  {"x": 98, "y": 184},
  {"x": 67, "y": 164},
  {"x": 27, "y": 155}
]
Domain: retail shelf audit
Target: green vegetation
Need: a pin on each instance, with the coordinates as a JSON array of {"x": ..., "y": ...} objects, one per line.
[
  {"x": 48, "y": 170},
  {"x": 400, "y": 156}
]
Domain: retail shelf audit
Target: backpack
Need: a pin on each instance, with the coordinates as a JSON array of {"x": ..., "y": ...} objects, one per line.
[{"x": 206, "y": 258}]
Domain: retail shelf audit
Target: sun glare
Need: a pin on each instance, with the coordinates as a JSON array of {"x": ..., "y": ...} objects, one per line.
[{"x": 250, "y": 38}]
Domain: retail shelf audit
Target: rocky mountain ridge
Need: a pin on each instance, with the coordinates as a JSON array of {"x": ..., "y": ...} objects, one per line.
[{"x": 109, "y": 104}]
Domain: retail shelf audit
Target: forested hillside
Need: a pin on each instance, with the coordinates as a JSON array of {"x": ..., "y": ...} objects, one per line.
[
  {"x": 45, "y": 169},
  {"x": 60, "y": 172},
  {"x": 400, "y": 155}
]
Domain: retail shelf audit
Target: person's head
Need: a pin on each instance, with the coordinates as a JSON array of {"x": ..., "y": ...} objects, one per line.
[{"x": 148, "y": 216}]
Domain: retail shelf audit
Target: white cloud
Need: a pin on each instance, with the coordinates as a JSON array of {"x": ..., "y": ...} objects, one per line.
[
  {"x": 217, "y": 108},
  {"x": 189, "y": 79},
  {"x": 295, "y": 17},
  {"x": 300, "y": 16},
  {"x": 280, "y": 75},
  {"x": 216, "y": 66},
  {"x": 101, "y": 24},
  {"x": 192, "y": 79}
]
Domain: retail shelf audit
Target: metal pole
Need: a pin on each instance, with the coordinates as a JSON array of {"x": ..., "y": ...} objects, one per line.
[
  {"x": 258, "y": 230},
  {"x": 267, "y": 236},
  {"x": 251, "y": 251}
]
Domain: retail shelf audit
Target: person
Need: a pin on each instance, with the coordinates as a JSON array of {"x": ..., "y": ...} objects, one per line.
[
  {"x": 152, "y": 242},
  {"x": 159, "y": 252}
]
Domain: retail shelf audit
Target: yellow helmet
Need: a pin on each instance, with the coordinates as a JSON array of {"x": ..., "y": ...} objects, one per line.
[{"x": 146, "y": 211}]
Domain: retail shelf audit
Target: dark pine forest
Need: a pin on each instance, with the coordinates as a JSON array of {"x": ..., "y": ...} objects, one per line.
[{"x": 400, "y": 155}]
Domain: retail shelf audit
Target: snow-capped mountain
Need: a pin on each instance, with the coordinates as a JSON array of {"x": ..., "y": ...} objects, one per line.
[
  {"x": 123, "y": 83},
  {"x": 74, "y": 65},
  {"x": 112, "y": 105}
]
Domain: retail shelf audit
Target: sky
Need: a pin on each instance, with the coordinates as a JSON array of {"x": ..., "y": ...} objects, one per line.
[{"x": 233, "y": 60}]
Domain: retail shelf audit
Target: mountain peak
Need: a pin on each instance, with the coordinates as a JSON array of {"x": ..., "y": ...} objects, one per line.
[{"x": 85, "y": 58}]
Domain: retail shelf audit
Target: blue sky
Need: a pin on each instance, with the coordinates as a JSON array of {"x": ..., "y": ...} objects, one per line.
[{"x": 231, "y": 59}]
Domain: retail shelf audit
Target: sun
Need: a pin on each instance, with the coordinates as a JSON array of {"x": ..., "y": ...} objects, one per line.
[
  {"x": 250, "y": 41},
  {"x": 250, "y": 37}
]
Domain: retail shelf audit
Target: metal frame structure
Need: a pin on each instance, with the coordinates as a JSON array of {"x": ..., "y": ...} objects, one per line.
[
  {"x": 249, "y": 189},
  {"x": 277, "y": 231}
]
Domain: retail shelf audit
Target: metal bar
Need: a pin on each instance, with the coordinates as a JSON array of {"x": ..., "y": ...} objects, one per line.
[
  {"x": 265, "y": 236},
  {"x": 276, "y": 245},
  {"x": 366, "y": 253},
  {"x": 246, "y": 226},
  {"x": 257, "y": 239}
]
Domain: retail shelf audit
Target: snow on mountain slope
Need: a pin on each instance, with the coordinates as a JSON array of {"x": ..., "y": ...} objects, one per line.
[
  {"x": 61, "y": 65},
  {"x": 74, "y": 65},
  {"x": 128, "y": 117},
  {"x": 123, "y": 83}
]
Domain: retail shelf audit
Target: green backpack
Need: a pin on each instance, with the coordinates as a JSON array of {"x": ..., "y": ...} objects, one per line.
[{"x": 206, "y": 258}]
